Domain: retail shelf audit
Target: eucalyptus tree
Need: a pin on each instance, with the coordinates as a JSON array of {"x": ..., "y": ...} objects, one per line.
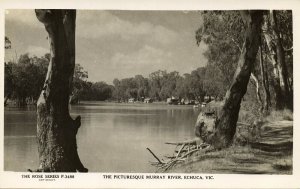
[
  {"x": 275, "y": 40},
  {"x": 225, "y": 124},
  {"x": 56, "y": 130},
  {"x": 223, "y": 32}
]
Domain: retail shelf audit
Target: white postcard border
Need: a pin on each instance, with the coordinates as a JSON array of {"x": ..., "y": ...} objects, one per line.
[{"x": 96, "y": 180}]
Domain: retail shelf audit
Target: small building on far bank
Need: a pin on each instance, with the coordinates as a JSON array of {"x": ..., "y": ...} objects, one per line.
[
  {"x": 148, "y": 100},
  {"x": 188, "y": 102},
  {"x": 173, "y": 100},
  {"x": 131, "y": 100},
  {"x": 207, "y": 99}
]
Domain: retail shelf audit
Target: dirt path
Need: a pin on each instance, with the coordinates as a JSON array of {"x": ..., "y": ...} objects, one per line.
[{"x": 270, "y": 154}]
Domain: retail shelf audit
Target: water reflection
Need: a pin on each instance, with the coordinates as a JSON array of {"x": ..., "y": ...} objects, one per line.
[{"x": 112, "y": 138}]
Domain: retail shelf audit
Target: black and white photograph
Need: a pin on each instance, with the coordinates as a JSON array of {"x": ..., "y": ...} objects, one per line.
[{"x": 158, "y": 92}]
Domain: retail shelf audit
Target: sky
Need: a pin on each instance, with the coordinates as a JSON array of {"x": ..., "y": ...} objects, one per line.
[{"x": 117, "y": 44}]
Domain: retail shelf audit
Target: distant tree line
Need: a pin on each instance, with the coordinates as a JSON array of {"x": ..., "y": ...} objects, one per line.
[
  {"x": 161, "y": 85},
  {"x": 24, "y": 80},
  {"x": 86, "y": 90}
]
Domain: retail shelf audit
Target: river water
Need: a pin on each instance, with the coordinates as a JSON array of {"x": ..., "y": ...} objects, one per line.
[{"x": 113, "y": 137}]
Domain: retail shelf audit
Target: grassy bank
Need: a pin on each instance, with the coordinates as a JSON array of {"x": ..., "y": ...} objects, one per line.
[{"x": 266, "y": 149}]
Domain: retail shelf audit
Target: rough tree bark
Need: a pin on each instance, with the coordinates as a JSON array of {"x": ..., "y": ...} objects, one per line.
[
  {"x": 253, "y": 77},
  {"x": 56, "y": 130},
  {"x": 225, "y": 125}
]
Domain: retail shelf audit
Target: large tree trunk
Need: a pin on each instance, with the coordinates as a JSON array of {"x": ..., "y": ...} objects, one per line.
[
  {"x": 56, "y": 130},
  {"x": 283, "y": 96},
  {"x": 253, "y": 77},
  {"x": 225, "y": 125}
]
